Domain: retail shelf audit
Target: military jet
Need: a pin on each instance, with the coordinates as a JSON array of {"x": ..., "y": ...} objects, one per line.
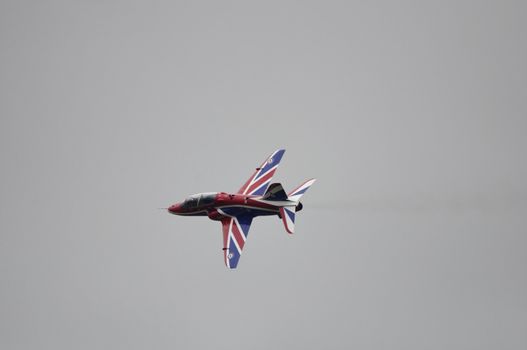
[{"x": 236, "y": 211}]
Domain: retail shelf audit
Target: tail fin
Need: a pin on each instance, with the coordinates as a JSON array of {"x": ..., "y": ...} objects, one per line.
[
  {"x": 298, "y": 192},
  {"x": 275, "y": 192},
  {"x": 288, "y": 213}
]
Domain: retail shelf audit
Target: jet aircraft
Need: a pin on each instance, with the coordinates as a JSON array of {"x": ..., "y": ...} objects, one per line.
[{"x": 236, "y": 211}]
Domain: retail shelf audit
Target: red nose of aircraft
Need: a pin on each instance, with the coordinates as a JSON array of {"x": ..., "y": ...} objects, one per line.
[{"x": 174, "y": 209}]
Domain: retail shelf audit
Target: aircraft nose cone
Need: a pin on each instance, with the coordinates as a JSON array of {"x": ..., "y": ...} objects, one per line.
[{"x": 173, "y": 209}]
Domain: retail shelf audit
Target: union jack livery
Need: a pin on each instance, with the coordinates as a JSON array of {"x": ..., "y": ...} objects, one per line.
[{"x": 236, "y": 211}]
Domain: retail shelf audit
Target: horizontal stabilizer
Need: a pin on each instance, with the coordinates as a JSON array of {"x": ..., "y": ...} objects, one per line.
[
  {"x": 298, "y": 192},
  {"x": 288, "y": 218}
]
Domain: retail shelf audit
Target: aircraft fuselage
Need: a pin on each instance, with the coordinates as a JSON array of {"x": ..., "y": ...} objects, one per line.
[{"x": 220, "y": 205}]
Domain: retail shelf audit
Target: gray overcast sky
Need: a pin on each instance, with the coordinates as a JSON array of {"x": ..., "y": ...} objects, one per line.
[{"x": 412, "y": 115}]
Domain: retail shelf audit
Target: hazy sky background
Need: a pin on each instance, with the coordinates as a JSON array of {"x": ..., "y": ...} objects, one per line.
[{"x": 412, "y": 115}]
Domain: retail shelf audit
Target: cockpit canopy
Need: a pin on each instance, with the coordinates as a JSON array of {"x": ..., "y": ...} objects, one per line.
[{"x": 199, "y": 200}]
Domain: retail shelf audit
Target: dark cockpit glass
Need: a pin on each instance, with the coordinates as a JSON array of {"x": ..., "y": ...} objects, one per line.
[
  {"x": 198, "y": 200},
  {"x": 207, "y": 198},
  {"x": 190, "y": 202}
]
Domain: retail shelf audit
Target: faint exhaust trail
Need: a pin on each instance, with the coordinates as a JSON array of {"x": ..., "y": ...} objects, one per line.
[{"x": 488, "y": 201}]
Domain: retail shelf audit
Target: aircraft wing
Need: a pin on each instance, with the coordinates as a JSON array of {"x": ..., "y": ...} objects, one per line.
[
  {"x": 235, "y": 231},
  {"x": 261, "y": 178}
]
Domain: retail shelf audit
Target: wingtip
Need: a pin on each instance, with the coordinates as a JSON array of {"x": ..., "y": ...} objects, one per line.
[{"x": 310, "y": 182}]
